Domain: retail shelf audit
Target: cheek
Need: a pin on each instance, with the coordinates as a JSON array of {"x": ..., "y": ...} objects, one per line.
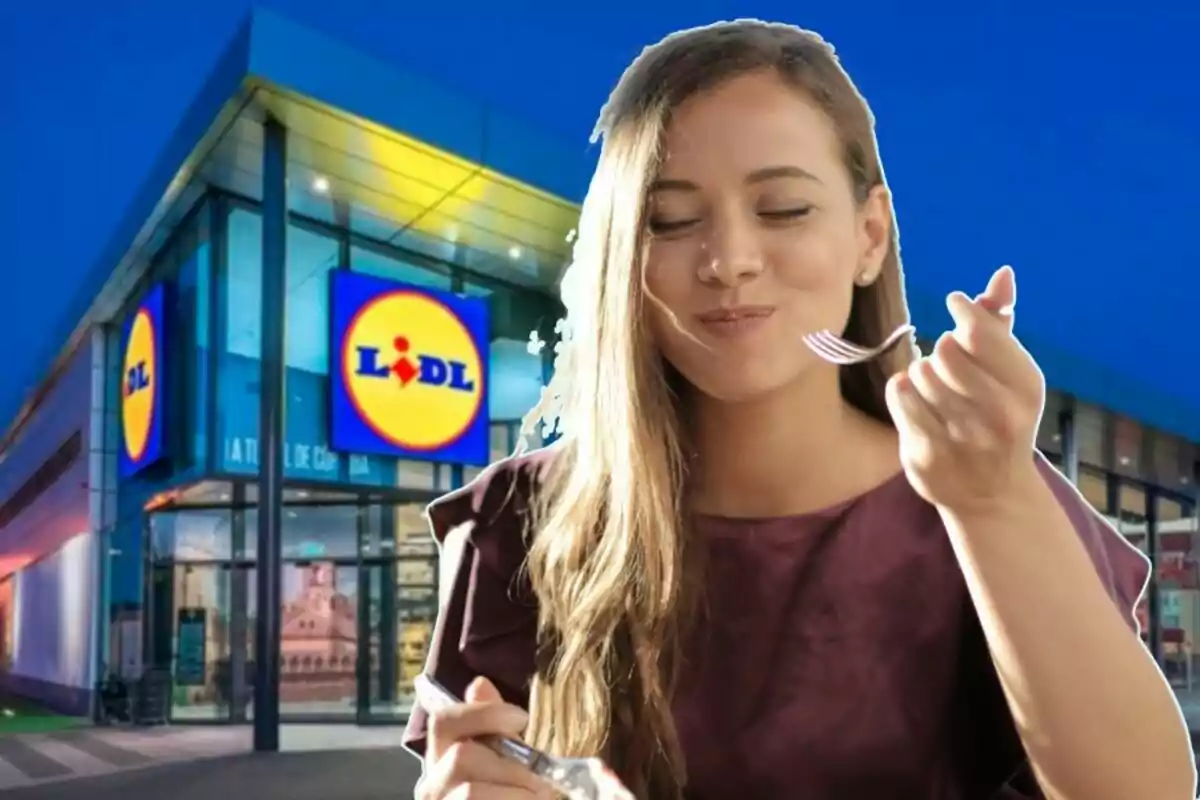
[
  {"x": 670, "y": 286},
  {"x": 815, "y": 261}
]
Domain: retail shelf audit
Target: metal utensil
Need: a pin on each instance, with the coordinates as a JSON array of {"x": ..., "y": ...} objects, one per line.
[
  {"x": 577, "y": 778},
  {"x": 836, "y": 350}
]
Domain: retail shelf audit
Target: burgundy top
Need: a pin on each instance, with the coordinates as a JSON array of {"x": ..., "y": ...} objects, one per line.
[{"x": 841, "y": 657}]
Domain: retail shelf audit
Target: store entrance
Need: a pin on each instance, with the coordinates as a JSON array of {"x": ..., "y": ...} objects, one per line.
[{"x": 359, "y": 600}]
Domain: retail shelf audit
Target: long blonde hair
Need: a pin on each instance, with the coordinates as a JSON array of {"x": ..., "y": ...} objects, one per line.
[{"x": 616, "y": 578}]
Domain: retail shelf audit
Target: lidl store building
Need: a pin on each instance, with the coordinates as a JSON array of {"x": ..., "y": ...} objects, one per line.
[{"x": 315, "y": 320}]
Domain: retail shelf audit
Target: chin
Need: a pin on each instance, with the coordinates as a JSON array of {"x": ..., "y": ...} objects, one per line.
[{"x": 739, "y": 385}]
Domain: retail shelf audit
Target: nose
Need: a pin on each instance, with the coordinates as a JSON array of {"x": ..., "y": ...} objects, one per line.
[{"x": 732, "y": 253}]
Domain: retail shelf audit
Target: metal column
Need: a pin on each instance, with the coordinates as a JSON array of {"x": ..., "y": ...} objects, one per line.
[
  {"x": 1069, "y": 441},
  {"x": 270, "y": 436}
]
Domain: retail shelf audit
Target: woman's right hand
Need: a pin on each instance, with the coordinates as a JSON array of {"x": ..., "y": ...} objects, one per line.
[{"x": 458, "y": 767}]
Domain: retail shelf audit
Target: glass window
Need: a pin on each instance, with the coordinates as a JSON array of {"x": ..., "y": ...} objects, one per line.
[
  {"x": 1049, "y": 437},
  {"x": 500, "y": 442},
  {"x": 1127, "y": 447},
  {"x": 517, "y": 375},
  {"x": 1131, "y": 515},
  {"x": 243, "y": 283},
  {"x": 418, "y": 474},
  {"x": 191, "y": 535},
  {"x": 1089, "y": 434},
  {"x": 1178, "y": 579},
  {"x": 311, "y": 532},
  {"x": 1172, "y": 461},
  {"x": 373, "y": 262},
  {"x": 310, "y": 258},
  {"x": 1094, "y": 487},
  {"x": 191, "y": 339}
]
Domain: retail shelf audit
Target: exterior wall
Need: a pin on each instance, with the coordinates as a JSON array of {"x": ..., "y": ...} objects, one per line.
[{"x": 49, "y": 549}]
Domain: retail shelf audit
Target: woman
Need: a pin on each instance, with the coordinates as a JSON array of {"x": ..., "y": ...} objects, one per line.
[{"x": 745, "y": 572}]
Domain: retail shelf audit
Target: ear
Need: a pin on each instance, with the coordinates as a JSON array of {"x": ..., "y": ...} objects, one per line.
[{"x": 874, "y": 221}]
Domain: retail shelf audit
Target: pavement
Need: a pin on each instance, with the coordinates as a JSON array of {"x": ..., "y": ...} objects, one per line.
[
  {"x": 52, "y": 764},
  {"x": 347, "y": 775}
]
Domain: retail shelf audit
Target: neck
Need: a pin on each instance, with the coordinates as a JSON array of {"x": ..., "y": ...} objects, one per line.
[{"x": 792, "y": 451}]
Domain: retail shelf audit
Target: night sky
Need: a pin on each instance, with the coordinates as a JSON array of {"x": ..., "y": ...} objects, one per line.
[{"x": 1051, "y": 135}]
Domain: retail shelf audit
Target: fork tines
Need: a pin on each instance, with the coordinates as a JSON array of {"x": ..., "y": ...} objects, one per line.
[{"x": 836, "y": 350}]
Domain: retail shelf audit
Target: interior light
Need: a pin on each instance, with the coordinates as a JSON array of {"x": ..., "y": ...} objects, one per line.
[
  {"x": 1124, "y": 461},
  {"x": 514, "y": 252},
  {"x": 320, "y": 184}
]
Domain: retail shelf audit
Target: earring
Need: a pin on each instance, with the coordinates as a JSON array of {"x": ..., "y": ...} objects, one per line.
[{"x": 863, "y": 278}]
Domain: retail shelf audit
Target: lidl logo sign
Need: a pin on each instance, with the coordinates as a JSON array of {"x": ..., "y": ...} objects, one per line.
[
  {"x": 142, "y": 385},
  {"x": 409, "y": 371}
]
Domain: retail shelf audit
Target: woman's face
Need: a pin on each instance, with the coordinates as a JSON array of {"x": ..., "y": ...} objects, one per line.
[{"x": 755, "y": 237}]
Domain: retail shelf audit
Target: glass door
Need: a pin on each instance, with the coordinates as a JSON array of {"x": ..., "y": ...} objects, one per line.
[
  {"x": 319, "y": 639},
  {"x": 189, "y": 625},
  {"x": 399, "y": 606}
]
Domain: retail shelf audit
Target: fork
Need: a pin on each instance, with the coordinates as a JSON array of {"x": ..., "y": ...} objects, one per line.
[
  {"x": 576, "y": 778},
  {"x": 837, "y": 350}
]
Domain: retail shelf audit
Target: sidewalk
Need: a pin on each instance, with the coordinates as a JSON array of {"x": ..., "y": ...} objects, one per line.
[
  {"x": 35, "y": 759},
  {"x": 358, "y": 775}
]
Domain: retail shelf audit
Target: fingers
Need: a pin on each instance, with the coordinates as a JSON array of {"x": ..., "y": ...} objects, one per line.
[
  {"x": 1000, "y": 296},
  {"x": 472, "y": 764},
  {"x": 459, "y": 765},
  {"x": 473, "y": 719},
  {"x": 912, "y": 413},
  {"x": 482, "y": 690},
  {"x": 475, "y": 791}
]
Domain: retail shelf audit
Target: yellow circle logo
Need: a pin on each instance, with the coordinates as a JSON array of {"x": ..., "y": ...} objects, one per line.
[
  {"x": 140, "y": 378},
  {"x": 412, "y": 370}
]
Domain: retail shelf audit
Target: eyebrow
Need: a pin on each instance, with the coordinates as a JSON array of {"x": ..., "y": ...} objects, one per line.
[{"x": 757, "y": 176}]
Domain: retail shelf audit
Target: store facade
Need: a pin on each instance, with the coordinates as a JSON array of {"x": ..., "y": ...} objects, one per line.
[{"x": 359, "y": 569}]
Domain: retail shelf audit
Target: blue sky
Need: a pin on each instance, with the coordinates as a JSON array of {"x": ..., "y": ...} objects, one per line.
[{"x": 1054, "y": 136}]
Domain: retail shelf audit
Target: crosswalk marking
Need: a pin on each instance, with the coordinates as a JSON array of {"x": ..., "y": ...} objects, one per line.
[
  {"x": 80, "y": 763},
  {"x": 11, "y": 777},
  {"x": 28, "y": 760}
]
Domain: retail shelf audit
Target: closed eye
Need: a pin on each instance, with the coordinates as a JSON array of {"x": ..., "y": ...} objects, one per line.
[
  {"x": 661, "y": 227},
  {"x": 785, "y": 214}
]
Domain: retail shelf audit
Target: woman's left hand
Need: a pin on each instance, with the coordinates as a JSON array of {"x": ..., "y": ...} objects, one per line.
[{"x": 968, "y": 413}]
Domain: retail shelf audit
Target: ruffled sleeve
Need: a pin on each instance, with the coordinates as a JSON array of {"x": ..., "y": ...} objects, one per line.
[
  {"x": 1123, "y": 570},
  {"x": 488, "y": 621}
]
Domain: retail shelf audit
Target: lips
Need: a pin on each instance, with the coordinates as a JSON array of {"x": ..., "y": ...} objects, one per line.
[{"x": 735, "y": 314}]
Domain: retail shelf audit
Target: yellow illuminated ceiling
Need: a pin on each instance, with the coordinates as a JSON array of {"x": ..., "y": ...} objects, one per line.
[{"x": 399, "y": 189}]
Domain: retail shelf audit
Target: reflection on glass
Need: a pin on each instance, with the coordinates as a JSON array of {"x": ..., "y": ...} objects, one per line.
[
  {"x": 319, "y": 638},
  {"x": 310, "y": 257},
  {"x": 199, "y": 653},
  {"x": 1089, "y": 434},
  {"x": 1049, "y": 440},
  {"x": 1094, "y": 488},
  {"x": 311, "y": 531},
  {"x": 372, "y": 262},
  {"x": 346, "y": 610},
  {"x": 192, "y": 535},
  {"x": 1178, "y": 578}
]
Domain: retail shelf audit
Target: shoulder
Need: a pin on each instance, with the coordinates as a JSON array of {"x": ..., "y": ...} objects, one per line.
[
  {"x": 487, "y": 621},
  {"x": 1122, "y": 568},
  {"x": 505, "y": 487},
  {"x": 491, "y": 511}
]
